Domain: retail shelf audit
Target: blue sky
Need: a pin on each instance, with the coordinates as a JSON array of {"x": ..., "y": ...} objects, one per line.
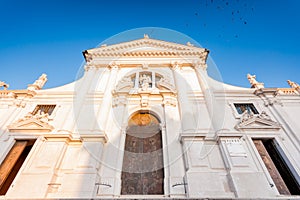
[{"x": 48, "y": 36}]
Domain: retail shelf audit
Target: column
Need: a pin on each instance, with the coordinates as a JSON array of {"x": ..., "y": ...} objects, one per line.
[
  {"x": 136, "y": 82},
  {"x": 186, "y": 111},
  {"x": 103, "y": 112},
  {"x": 172, "y": 151},
  {"x": 153, "y": 80},
  {"x": 216, "y": 108}
]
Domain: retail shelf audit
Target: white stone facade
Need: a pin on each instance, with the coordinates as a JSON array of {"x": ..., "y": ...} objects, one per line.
[{"x": 208, "y": 148}]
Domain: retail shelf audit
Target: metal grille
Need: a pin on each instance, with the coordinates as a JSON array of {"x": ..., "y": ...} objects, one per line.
[{"x": 43, "y": 108}]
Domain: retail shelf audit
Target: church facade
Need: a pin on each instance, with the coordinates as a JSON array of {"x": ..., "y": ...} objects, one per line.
[{"x": 146, "y": 120}]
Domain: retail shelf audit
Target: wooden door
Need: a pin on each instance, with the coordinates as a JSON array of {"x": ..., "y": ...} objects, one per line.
[
  {"x": 143, "y": 159},
  {"x": 7, "y": 166},
  {"x": 271, "y": 167}
]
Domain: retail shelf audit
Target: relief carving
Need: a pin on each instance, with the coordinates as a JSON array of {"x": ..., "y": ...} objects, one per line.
[
  {"x": 165, "y": 82},
  {"x": 249, "y": 121},
  {"x": 124, "y": 84},
  {"x": 32, "y": 123}
]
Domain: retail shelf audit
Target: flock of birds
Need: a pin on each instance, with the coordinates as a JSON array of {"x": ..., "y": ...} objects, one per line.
[{"x": 235, "y": 9}]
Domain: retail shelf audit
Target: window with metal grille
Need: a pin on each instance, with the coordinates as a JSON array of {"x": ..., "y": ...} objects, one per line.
[
  {"x": 43, "y": 108},
  {"x": 242, "y": 107}
]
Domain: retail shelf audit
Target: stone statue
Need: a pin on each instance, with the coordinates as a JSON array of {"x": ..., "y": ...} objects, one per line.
[
  {"x": 4, "y": 85},
  {"x": 145, "y": 81},
  {"x": 293, "y": 84},
  {"x": 253, "y": 82}
]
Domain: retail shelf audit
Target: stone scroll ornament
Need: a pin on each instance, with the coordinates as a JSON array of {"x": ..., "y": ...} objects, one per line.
[{"x": 39, "y": 83}]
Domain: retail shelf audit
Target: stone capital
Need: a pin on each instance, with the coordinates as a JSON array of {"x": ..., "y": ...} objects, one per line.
[
  {"x": 199, "y": 65},
  {"x": 176, "y": 66},
  {"x": 113, "y": 66}
]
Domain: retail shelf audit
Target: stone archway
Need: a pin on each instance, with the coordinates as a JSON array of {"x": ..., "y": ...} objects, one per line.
[{"x": 142, "y": 171}]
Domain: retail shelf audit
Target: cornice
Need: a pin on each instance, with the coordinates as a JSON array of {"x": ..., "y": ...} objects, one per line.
[{"x": 130, "y": 49}]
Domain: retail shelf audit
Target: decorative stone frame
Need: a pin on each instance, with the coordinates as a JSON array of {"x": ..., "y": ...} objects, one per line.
[{"x": 234, "y": 111}]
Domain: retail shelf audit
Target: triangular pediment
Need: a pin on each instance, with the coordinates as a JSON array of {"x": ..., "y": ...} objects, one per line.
[
  {"x": 257, "y": 123},
  {"x": 146, "y": 47},
  {"x": 30, "y": 125}
]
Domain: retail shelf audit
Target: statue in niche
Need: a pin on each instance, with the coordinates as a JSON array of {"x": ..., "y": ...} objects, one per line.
[
  {"x": 4, "y": 85},
  {"x": 293, "y": 84},
  {"x": 253, "y": 82},
  {"x": 145, "y": 81}
]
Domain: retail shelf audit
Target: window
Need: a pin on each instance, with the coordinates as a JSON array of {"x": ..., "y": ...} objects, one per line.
[
  {"x": 277, "y": 166},
  {"x": 43, "y": 108},
  {"x": 13, "y": 162},
  {"x": 242, "y": 107}
]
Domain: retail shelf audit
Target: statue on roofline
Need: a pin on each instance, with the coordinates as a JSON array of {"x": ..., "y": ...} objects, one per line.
[
  {"x": 254, "y": 83},
  {"x": 4, "y": 85}
]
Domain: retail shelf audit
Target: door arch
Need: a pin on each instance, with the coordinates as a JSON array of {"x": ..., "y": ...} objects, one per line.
[{"x": 142, "y": 171}]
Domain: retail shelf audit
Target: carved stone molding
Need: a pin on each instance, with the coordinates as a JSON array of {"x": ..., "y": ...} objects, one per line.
[
  {"x": 32, "y": 123},
  {"x": 144, "y": 100},
  {"x": 176, "y": 66},
  {"x": 119, "y": 101},
  {"x": 125, "y": 84},
  {"x": 200, "y": 65},
  {"x": 113, "y": 66},
  {"x": 7, "y": 94},
  {"x": 165, "y": 83},
  {"x": 170, "y": 100},
  {"x": 249, "y": 121},
  {"x": 287, "y": 91}
]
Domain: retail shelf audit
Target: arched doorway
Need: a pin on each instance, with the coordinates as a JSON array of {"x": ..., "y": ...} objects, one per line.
[{"x": 142, "y": 171}]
